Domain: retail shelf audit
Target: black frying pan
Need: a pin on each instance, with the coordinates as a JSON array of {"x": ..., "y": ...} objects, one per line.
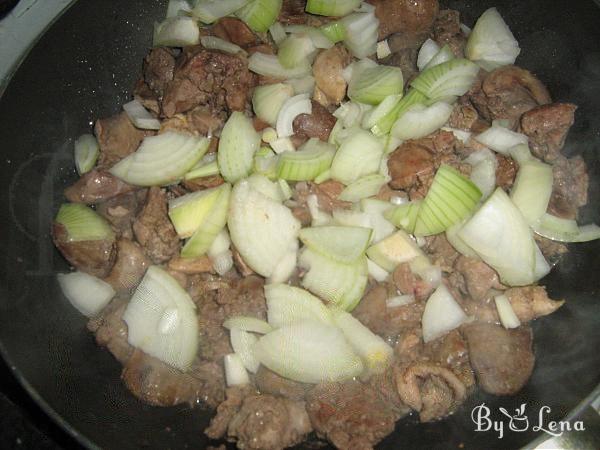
[{"x": 84, "y": 67}]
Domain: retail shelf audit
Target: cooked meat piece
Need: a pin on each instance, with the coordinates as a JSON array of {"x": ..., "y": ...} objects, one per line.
[
  {"x": 120, "y": 211},
  {"x": 190, "y": 266},
  {"x": 479, "y": 277},
  {"x": 244, "y": 297},
  {"x": 234, "y": 397},
  {"x": 93, "y": 257},
  {"x": 265, "y": 422},
  {"x": 441, "y": 252},
  {"x": 432, "y": 390},
  {"x": 146, "y": 96},
  {"x": 483, "y": 310},
  {"x": 199, "y": 184},
  {"x": 318, "y": 124},
  {"x": 531, "y": 302},
  {"x": 409, "y": 283},
  {"x": 111, "y": 330},
  {"x": 446, "y": 30},
  {"x": 464, "y": 117},
  {"x": 219, "y": 299},
  {"x": 158, "y": 69},
  {"x": 117, "y": 138},
  {"x": 129, "y": 268},
  {"x": 406, "y": 16},
  {"x": 350, "y": 415},
  {"x": 409, "y": 345},
  {"x": 551, "y": 250},
  {"x": 268, "y": 382},
  {"x": 569, "y": 191},
  {"x": 406, "y": 60},
  {"x": 97, "y": 186},
  {"x": 199, "y": 121},
  {"x": 408, "y": 162},
  {"x": 507, "y": 93},
  {"x": 240, "y": 264},
  {"x": 292, "y": 12},
  {"x": 385, "y": 386},
  {"x": 235, "y": 31},
  {"x": 547, "y": 127},
  {"x": 156, "y": 383},
  {"x": 153, "y": 229},
  {"x": 386, "y": 193},
  {"x": 451, "y": 350},
  {"x": 327, "y": 196},
  {"x": 373, "y": 312},
  {"x": 327, "y": 70},
  {"x": 502, "y": 359},
  {"x": 219, "y": 81},
  {"x": 506, "y": 171}
]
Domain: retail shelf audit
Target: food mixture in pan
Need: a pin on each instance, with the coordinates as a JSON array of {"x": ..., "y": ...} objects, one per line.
[{"x": 319, "y": 217}]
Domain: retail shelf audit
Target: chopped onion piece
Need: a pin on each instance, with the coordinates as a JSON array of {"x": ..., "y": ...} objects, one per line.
[
  {"x": 508, "y": 318},
  {"x": 456, "y": 242},
  {"x": 294, "y": 51},
  {"x": 400, "y": 300},
  {"x": 161, "y": 160},
  {"x": 176, "y": 32},
  {"x": 249, "y": 324},
  {"x": 266, "y": 187},
  {"x": 483, "y": 172},
  {"x": 565, "y": 230},
  {"x": 338, "y": 283},
  {"x": 161, "y": 320},
  {"x": 334, "y": 8},
  {"x": 359, "y": 155},
  {"x": 451, "y": 198},
  {"x": 451, "y": 78},
  {"x": 393, "y": 250},
  {"x": 209, "y": 11},
  {"x": 461, "y": 135},
  {"x": 318, "y": 217},
  {"x": 288, "y": 304},
  {"x": 385, "y": 123},
  {"x": 419, "y": 120},
  {"x": 222, "y": 262},
  {"x": 405, "y": 215},
  {"x": 443, "y": 55},
  {"x": 501, "y": 139},
  {"x": 442, "y": 314},
  {"x": 243, "y": 344},
  {"x": 304, "y": 85},
  {"x": 520, "y": 153},
  {"x": 178, "y": 8},
  {"x": 372, "y": 85},
  {"x": 281, "y": 145},
  {"x": 220, "y": 244},
  {"x": 291, "y": 108},
  {"x": 235, "y": 372},
  {"x": 372, "y": 117},
  {"x": 335, "y": 31},
  {"x": 237, "y": 145},
  {"x": 532, "y": 189},
  {"x": 428, "y": 272},
  {"x": 378, "y": 273},
  {"x": 277, "y": 32},
  {"x": 367, "y": 186},
  {"x": 316, "y": 35},
  {"x": 189, "y": 211},
  {"x": 362, "y": 29},
  {"x": 309, "y": 352},
  {"x": 267, "y": 101},
  {"x": 374, "y": 351},
  {"x": 340, "y": 243},
  {"x": 491, "y": 43},
  {"x": 269, "y": 65},
  {"x": 428, "y": 50},
  {"x": 260, "y": 14},
  {"x": 201, "y": 171},
  {"x": 376, "y": 209},
  {"x": 82, "y": 223},
  {"x": 350, "y": 114},
  {"x": 383, "y": 49},
  {"x": 286, "y": 266},
  {"x": 312, "y": 159},
  {"x": 88, "y": 294},
  {"x": 499, "y": 234},
  {"x": 261, "y": 229},
  {"x": 215, "y": 43},
  {"x": 86, "y": 153}
]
